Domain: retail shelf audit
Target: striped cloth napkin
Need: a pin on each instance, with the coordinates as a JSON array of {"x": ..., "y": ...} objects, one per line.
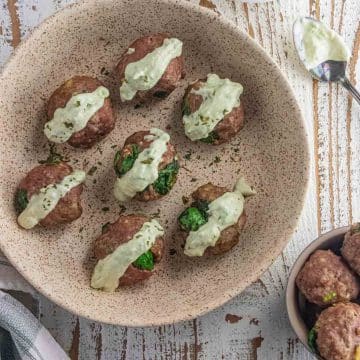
[{"x": 21, "y": 334}]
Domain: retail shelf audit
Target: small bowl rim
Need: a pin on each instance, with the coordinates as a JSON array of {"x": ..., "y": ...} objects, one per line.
[{"x": 296, "y": 321}]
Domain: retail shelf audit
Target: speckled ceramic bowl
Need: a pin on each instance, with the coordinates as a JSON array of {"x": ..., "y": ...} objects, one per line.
[
  {"x": 295, "y": 301},
  {"x": 271, "y": 152}
]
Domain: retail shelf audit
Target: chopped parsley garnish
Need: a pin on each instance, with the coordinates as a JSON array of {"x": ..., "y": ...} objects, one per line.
[
  {"x": 54, "y": 158},
  {"x": 105, "y": 227},
  {"x": 145, "y": 261},
  {"x": 166, "y": 178},
  {"x": 21, "y": 200},
  {"x": 187, "y": 156},
  {"x": 92, "y": 170},
  {"x": 211, "y": 138},
  {"x": 124, "y": 165},
  {"x": 160, "y": 94},
  {"x": 69, "y": 125},
  {"x": 105, "y": 208}
]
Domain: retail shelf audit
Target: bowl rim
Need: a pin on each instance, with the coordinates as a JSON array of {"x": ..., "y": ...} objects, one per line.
[
  {"x": 286, "y": 233},
  {"x": 296, "y": 321}
]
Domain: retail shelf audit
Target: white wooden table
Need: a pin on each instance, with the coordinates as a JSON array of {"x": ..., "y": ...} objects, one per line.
[{"x": 254, "y": 325}]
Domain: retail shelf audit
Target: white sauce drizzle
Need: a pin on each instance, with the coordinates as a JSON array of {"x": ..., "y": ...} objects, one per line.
[
  {"x": 130, "y": 51},
  {"x": 223, "y": 212},
  {"x": 319, "y": 43},
  {"x": 109, "y": 270},
  {"x": 220, "y": 96},
  {"x": 145, "y": 73},
  {"x": 75, "y": 115},
  {"x": 145, "y": 169},
  {"x": 42, "y": 203}
]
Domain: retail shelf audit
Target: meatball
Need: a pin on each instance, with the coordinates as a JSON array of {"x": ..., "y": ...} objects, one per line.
[
  {"x": 168, "y": 167},
  {"x": 120, "y": 232},
  {"x": 338, "y": 332},
  {"x": 351, "y": 247},
  {"x": 68, "y": 207},
  {"x": 325, "y": 279},
  {"x": 225, "y": 129},
  {"x": 99, "y": 125},
  {"x": 169, "y": 79},
  {"x": 196, "y": 215}
]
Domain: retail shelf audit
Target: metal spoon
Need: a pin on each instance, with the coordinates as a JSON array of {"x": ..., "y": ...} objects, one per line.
[{"x": 327, "y": 71}]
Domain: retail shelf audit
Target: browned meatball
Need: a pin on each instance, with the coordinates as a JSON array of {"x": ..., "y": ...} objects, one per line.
[
  {"x": 67, "y": 209},
  {"x": 227, "y": 128},
  {"x": 125, "y": 158},
  {"x": 121, "y": 232},
  {"x": 351, "y": 247},
  {"x": 170, "y": 79},
  {"x": 325, "y": 279},
  {"x": 338, "y": 332},
  {"x": 228, "y": 237},
  {"x": 99, "y": 125}
]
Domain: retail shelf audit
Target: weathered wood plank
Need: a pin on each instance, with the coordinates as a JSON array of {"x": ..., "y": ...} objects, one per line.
[{"x": 254, "y": 324}]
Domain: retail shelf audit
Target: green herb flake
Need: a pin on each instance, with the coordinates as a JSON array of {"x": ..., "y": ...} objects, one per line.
[
  {"x": 145, "y": 261},
  {"x": 166, "y": 178},
  {"x": 92, "y": 170},
  {"x": 160, "y": 94},
  {"x": 54, "y": 158},
  {"x": 187, "y": 156},
  {"x": 20, "y": 200},
  {"x": 217, "y": 159},
  {"x": 147, "y": 161},
  {"x": 105, "y": 227},
  {"x": 69, "y": 125},
  {"x": 105, "y": 209},
  {"x": 211, "y": 138},
  {"x": 329, "y": 297}
]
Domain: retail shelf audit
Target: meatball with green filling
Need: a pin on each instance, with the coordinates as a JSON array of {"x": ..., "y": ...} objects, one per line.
[
  {"x": 120, "y": 233},
  {"x": 133, "y": 162},
  {"x": 336, "y": 334},
  {"x": 198, "y": 214},
  {"x": 326, "y": 279}
]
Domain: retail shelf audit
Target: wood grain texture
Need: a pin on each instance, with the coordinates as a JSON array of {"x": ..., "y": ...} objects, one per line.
[{"x": 253, "y": 325}]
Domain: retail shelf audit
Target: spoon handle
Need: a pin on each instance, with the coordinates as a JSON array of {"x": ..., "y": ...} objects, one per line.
[{"x": 345, "y": 82}]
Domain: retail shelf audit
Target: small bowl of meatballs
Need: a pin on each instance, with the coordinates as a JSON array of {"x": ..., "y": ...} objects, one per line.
[{"x": 323, "y": 295}]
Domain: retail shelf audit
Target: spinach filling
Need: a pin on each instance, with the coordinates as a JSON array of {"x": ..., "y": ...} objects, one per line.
[
  {"x": 123, "y": 166},
  {"x": 166, "y": 178},
  {"x": 312, "y": 336},
  {"x": 21, "y": 200},
  {"x": 194, "y": 216},
  {"x": 145, "y": 261}
]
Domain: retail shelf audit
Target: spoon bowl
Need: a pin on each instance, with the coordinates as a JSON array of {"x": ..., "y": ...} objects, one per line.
[{"x": 326, "y": 71}]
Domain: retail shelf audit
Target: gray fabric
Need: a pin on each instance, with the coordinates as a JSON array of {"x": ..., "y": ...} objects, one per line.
[{"x": 21, "y": 324}]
